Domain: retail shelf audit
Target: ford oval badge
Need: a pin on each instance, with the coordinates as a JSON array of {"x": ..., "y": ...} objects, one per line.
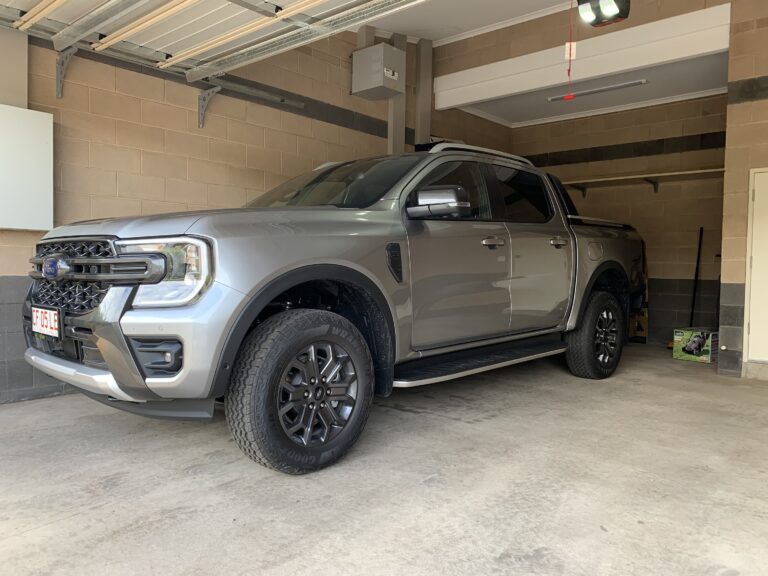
[{"x": 54, "y": 267}]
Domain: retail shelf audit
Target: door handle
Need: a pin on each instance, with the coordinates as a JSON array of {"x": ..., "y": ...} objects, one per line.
[
  {"x": 558, "y": 242},
  {"x": 492, "y": 242}
]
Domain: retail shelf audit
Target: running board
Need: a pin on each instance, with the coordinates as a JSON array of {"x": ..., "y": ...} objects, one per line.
[{"x": 467, "y": 362}]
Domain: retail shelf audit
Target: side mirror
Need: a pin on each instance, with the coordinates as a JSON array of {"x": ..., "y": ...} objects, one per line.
[{"x": 441, "y": 201}]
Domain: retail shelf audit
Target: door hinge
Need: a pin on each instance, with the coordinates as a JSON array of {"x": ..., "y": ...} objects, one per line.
[
  {"x": 753, "y": 194},
  {"x": 748, "y": 327}
]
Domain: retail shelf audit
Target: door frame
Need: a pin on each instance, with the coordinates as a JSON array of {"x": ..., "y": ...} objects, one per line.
[{"x": 748, "y": 278}]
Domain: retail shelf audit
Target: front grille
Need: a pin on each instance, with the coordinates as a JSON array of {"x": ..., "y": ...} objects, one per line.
[
  {"x": 86, "y": 248},
  {"x": 90, "y": 266},
  {"x": 71, "y": 296}
]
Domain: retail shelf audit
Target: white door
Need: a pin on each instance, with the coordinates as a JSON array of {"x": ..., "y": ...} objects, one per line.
[{"x": 758, "y": 285}]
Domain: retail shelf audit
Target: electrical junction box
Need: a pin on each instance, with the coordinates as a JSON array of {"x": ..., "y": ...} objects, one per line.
[{"x": 378, "y": 72}]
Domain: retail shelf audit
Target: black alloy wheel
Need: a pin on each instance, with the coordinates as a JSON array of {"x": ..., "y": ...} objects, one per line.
[
  {"x": 301, "y": 390},
  {"x": 606, "y": 337},
  {"x": 318, "y": 392},
  {"x": 594, "y": 348}
]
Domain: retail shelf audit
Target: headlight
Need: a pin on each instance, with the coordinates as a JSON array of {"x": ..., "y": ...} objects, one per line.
[{"x": 187, "y": 270}]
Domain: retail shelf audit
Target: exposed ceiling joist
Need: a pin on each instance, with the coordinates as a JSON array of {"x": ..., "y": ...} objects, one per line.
[
  {"x": 331, "y": 25},
  {"x": 108, "y": 13},
  {"x": 37, "y": 13},
  {"x": 240, "y": 32},
  {"x": 259, "y": 6},
  {"x": 300, "y": 20},
  {"x": 158, "y": 15}
]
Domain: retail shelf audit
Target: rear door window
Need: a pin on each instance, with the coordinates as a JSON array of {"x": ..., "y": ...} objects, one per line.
[{"x": 520, "y": 195}]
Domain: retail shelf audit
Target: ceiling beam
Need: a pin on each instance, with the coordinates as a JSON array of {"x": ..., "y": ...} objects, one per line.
[
  {"x": 327, "y": 27},
  {"x": 108, "y": 13},
  {"x": 241, "y": 31},
  {"x": 259, "y": 6},
  {"x": 37, "y": 13},
  {"x": 158, "y": 15}
]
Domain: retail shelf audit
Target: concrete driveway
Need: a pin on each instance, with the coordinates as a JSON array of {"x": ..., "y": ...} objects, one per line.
[{"x": 661, "y": 470}]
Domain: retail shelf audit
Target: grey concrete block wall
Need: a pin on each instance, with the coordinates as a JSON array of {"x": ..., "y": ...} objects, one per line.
[
  {"x": 18, "y": 380},
  {"x": 731, "y": 329},
  {"x": 669, "y": 306}
]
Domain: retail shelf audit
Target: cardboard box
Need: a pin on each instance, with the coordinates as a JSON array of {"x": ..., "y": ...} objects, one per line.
[
  {"x": 696, "y": 345},
  {"x": 638, "y": 326}
]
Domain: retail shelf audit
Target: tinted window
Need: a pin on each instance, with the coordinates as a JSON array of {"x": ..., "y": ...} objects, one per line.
[
  {"x": 467, "y": 175},
  {"x": 570, "y": 207},
  {"x": 348, "y": 185},
  {"x": 522, "y": 194}
]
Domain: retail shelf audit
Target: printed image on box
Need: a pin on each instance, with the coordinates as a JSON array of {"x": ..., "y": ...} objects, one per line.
[{"x": 695, "y": 345}]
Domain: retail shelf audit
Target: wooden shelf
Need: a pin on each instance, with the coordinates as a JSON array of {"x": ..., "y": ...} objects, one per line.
[{"x": 652, "y": 179}]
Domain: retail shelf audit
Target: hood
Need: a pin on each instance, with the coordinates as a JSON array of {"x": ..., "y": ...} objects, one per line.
[
  {"x": 217, "y": 223},
  {"x": 133, "y": 227}
]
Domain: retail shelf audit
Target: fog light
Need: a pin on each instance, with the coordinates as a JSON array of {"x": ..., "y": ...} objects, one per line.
[{"x": 157, "y": 358}]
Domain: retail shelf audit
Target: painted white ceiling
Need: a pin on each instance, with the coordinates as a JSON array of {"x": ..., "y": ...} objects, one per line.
[
  {"x": 441, "y": 20},
  {"x": 669, "y": 82}
]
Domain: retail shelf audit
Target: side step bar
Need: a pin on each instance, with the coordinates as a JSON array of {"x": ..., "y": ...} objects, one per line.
[{"x": 467, "y": 362}]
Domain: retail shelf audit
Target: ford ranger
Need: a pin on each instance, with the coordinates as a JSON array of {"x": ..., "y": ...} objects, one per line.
[{"x": 360, "y": 277}]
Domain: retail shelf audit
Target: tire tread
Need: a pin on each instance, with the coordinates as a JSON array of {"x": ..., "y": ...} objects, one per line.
[
  {"x": 246, "y": 430},
  {"x": 580, "y": 353}
]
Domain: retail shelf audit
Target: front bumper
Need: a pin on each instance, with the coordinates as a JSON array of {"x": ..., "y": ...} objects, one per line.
[
  {"x": 83, "y": 377},
  {"x": 200, "y": 327}
]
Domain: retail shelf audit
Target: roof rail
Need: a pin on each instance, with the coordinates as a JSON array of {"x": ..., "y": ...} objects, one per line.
[{"x": 444, "y": 146}]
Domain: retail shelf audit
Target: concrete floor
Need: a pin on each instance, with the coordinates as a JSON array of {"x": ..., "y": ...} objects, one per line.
[{"x": 661, "y": 470}]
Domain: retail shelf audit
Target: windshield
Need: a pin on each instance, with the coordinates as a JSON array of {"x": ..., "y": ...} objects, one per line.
[{"x": 355, "y": 184}]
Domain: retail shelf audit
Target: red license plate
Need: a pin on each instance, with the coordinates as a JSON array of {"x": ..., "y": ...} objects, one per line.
[{"x": 46, "y": 321}]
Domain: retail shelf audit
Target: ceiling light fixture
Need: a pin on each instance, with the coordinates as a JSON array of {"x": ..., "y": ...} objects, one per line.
[
  {"x": 603, "y": 12},
  {"x": 244, "y": 30},
  {"x": 158, "y": 15},
  {"x": 592, "y": 91},
  {"x": 37, "y": 13},
  {"x": 609, "y": 8},
  {"x": 586, "y": 12}
]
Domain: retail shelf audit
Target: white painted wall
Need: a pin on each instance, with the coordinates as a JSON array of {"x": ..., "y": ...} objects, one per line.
[
  {"x": 13, "y": 68},
  {"x": 26, "y": 169}
]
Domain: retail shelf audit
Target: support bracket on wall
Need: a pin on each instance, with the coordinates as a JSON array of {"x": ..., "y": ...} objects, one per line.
[
  {"x": 62, "y": 62},
  {"x": 581, "y": 188},
  {"x": 203, "y": 99},
  {"x": 654, "y": 183}
]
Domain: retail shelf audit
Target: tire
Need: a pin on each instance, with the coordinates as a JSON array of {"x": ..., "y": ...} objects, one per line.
[
  {"x": 277, "y": 392},
  {"x": 594, "y": 348}
]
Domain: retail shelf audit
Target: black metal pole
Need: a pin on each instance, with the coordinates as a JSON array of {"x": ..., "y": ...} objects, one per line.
[{"x": 696, "y": 277}]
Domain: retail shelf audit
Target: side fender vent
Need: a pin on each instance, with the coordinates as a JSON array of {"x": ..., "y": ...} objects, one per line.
[{"x": 395, "y": 261}]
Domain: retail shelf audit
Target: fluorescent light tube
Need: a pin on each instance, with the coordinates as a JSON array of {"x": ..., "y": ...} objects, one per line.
[{"x": 590, "y": 92}]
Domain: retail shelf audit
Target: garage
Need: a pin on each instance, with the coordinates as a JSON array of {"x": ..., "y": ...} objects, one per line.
[{"x": 251, "y": 250}]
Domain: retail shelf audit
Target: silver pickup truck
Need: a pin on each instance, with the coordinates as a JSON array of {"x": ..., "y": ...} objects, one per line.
[{"x": 350, "y": 281}]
